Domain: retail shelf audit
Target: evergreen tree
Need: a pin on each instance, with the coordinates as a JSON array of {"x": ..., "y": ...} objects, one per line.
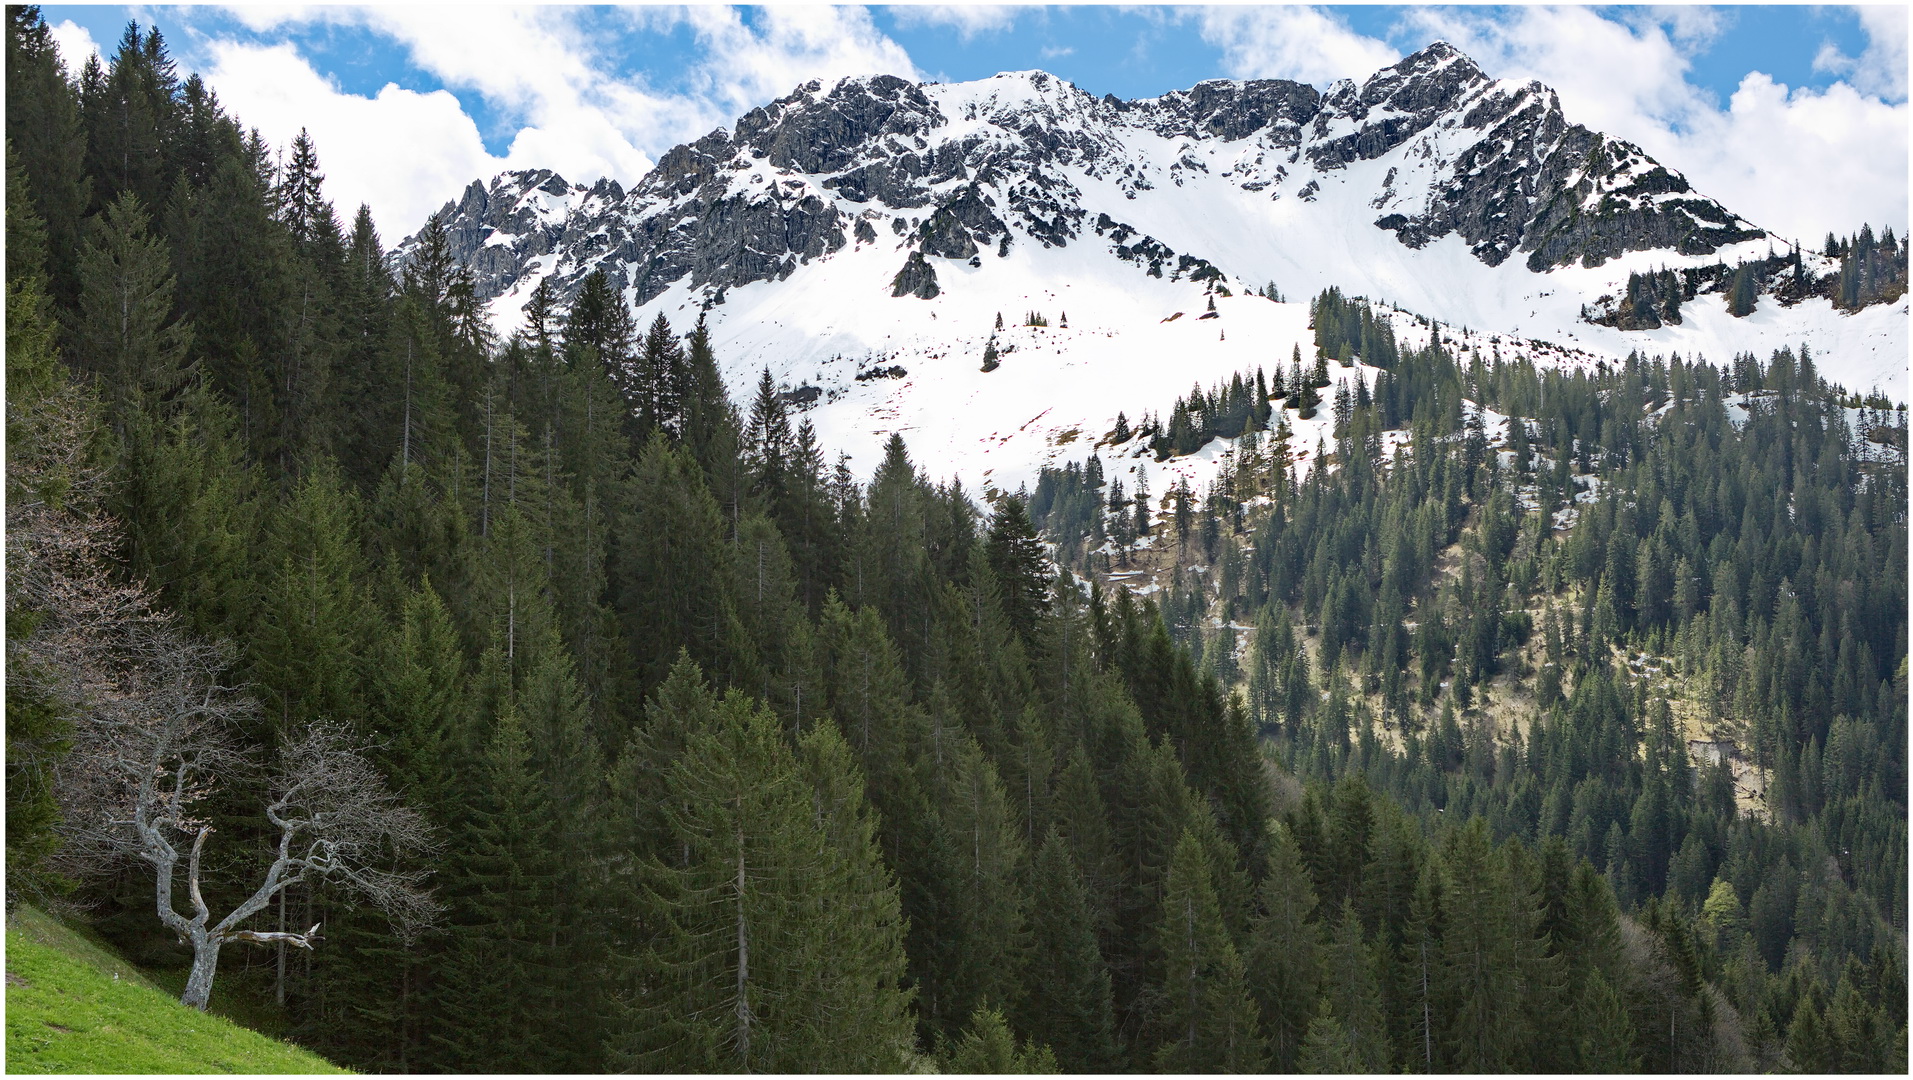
[
  {"x": 759, "y": 913},
  {"x": 988, "y": 1046},
  {"x": 126, "y": 334},
  {"x": 1480, "y": 973},
  {"x": 47, "y": 146},
  {"x": 499, "y": 991},
  {"x": 1208, "y": 1019},
  {"x": 673, "y": 573},
  {"x": 1018, "y": 564},
  {"x": 1069, "y": 1006},
  {"x": 1350, "y": 990},
  {"x": 1284, "y": 950}
]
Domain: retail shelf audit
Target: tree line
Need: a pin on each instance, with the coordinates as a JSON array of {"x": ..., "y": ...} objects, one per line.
[
  {"x": 725, "y": 761},
  {"x": 1524, "y": 614}
]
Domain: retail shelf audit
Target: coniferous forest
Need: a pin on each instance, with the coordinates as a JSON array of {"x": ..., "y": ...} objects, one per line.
[{"x": 595, "y": 721}]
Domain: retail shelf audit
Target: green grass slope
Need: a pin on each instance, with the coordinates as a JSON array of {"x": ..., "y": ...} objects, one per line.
[{"x": 74, "y": 1006}]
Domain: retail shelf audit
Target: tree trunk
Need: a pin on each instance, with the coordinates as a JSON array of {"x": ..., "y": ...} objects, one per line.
[
  {"x": 199, "y": 984},
  {"x": 279, "y": 958}
]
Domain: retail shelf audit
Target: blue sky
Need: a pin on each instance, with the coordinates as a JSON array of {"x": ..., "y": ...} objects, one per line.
[{"x": 409, "y": 103}]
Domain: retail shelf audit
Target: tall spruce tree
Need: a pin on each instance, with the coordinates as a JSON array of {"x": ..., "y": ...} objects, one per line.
[
  {"x": 1069, "y": 1007},
  {"x": 1208, "y": 1021},
  {"x": 761, "y": 917}
]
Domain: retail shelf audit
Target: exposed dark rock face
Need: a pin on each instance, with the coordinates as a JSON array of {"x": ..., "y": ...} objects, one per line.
[
  {"x": 961, "y": 170},
  {"x": 1238, "y": 110},
  {"x": 1527, "y": 180},
  {"x": 917, "y": 278}
]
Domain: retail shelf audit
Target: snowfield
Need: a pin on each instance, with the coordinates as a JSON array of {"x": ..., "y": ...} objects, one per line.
[{"x": 1133, "y": 342}]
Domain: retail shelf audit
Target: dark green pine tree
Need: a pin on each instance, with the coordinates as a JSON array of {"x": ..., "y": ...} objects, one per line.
[
  {"x": 191, "y": 504},
  {"x": 496, "y": 994},
  {"x": 1419, "y": 975},
  {"x": 374, "y": 984},
  {"x": 1327, "y": 1047},
  {"x": 780, "y": 666},
  {"x": 43, "y": 130},
  {"x": 989, "y": 1046},
  {"x": 128, "y": 111},
  {"x": 1305, "y": 398},
  {"x": 363, "y": 391},
  {"x": 756, "y": 960},
  {"x": 565, "y": 752},
  {"x": 302, "y": 203},
  {"x": 658, "y": 380},
  {"x": 1017, "y": 560},
  {"x": 870, "y": 947},
  {"x": 125, "y": 333},
  {"x": 709, "y": 425},
  {"x": 314, "y": 619},
  {"x": 1068, "y": 1005},
  {"x": 768, "y": 442},
  {"x": 1284, "y": 950},
  {"x": 987, "y": 867},
  {"x": 1208, "y": 1021},
  {"x": 1349, "y": 988},
  {"x": 1084, "y": 824},
  {"x": 673, "y": 574},
  {"x": 888, "y": 566},
  {"x": 1481, "y": 982}
]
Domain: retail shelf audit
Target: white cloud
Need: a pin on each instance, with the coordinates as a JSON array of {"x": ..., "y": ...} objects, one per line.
[
  {"x": 534, "y": 66},
  {"x": 1880, "y": 69},
  {"x": 746, "y": 66},
  {"x": 1302, "y": 43},
  {"x": 1052, "y": 52},
  {"x": 1801, "y": 162},
  {"x": 574, "y": 108},
  {"x": 970, "y": 21},
  {"x": 1797, "y": 161},
  {"x": 75, "y": 43},
  {"x": 1692, "y": 26},
  {"x": 400, "y": 152}
]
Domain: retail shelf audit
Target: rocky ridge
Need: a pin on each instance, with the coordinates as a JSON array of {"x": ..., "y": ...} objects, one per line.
[{"x": 959, "y": 173}]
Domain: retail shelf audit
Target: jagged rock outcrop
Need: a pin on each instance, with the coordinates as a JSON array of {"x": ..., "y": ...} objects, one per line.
[
  {"x": 917, "y": 278},
  {"x": 963, "y": 172}
]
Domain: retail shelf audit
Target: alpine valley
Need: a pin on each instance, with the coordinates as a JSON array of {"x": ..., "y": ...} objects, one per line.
[
  {"x": 949, "y": 578},
  {"x": 863, "y": 241}
]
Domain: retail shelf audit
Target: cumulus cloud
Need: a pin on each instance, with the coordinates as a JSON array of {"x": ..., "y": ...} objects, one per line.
[
  {"x": 1757, "y": 154},
  {"x": 534, "y": 66},
  {"x": 746, "y": 65},
  {"x": 1692, "y": 26},
  {"x": 1880, "y": 69},
  {"x": 970, "y": 21},
  {"x": 569, "y": 102},
  {"x": 75, "y": 43},
  {"x": 1302, "y": 43},
  {"x": 400, "y": 152},
  {"x": 1801, "y": 162}
]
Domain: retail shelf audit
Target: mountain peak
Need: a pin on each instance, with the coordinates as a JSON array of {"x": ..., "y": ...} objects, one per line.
[{"x": 936, "y": 175}]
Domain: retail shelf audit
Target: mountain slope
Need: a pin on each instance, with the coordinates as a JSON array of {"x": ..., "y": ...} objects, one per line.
[
  {"x": 73, "y": 1007},
  {"x": 878, "y": 225}
]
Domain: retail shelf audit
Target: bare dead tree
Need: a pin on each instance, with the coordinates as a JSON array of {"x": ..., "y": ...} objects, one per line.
[
  {"x": 155, "y": 730},
  {"x": 157, "y": 741}
]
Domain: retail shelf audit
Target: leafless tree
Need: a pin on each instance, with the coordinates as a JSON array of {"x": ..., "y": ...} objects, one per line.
[
  {"x": 156, "y": 737},
  {"x": 155, "y": 730}
]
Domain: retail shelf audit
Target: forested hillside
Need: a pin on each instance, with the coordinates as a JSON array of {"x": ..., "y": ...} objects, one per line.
[
  {"x": 713, "y": 759},
  {"x": 1650, "y": 618}
]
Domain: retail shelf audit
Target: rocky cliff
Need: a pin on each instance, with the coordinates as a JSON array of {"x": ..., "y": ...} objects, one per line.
[{"x": 959, "y": 173}]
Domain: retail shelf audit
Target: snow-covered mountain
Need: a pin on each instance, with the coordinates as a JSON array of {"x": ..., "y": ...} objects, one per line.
[{"x": 863, "y": 238}]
